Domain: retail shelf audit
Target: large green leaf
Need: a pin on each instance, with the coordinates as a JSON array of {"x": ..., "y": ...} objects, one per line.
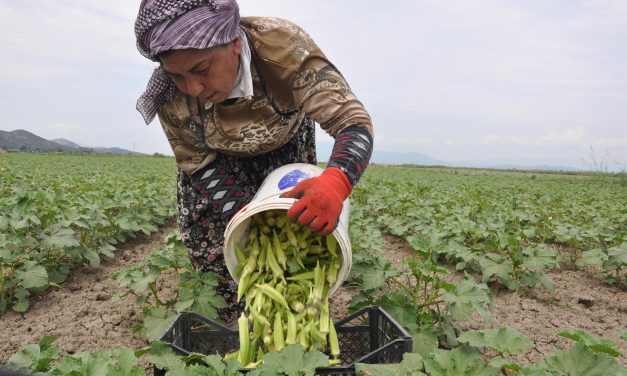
[
  {"x": 162, "y": 356},
  {"x": 468, "y": 296},
  {"x": 363, "y": 369},
  {"x": 617, "y": 256},
  {"x": 156, "y": 320},
  {"x": 293, "y": 361},
  {"x": 59, "y": 237},
  {"x": 592, "y": 257},
  {"x": 399, "y": 307},
  {"x": 203, "y": 300},
  {"x": 425, "y": 341},
  {"x": 372, "y": 271},
  {"x": 26, "y": 358},
  {"x": 92, "y": 258},
  {"x": 504, "y": 340},
  {"x": 4, "y": 223},
  {"x": 6, "y": 256},
  {"x": 215, "y": 363},
  {"x": 457, "y": 362},
  {"x": 581, "y": 361},
  {"x": 84, "y": 363},
  {"x": 126, "y": 363},
  {"x": 541, "y": 257},
  {"x": 58, "y": 275},
  {"x": 497, "y": 266},
  {"x": 106, "y": 249},
  {"x": 141, "y": 279},
  {"x": 20, "y": 297},
  {"x": 32, "y": 275},
  {"x": 373, "y": 279},
  {"x": 410, "y": 366},
  {"x": 592, "y": 341}
]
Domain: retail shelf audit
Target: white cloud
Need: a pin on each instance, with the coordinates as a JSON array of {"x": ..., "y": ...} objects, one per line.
[
  {"x": 68, "y": 32},
  {"x": 26, "y": 70},
  {"x": 63, "y": 127},
  {"x": 400, "y": 143},
  {"x": 573, "y": 136},
  {"x": 570, "y": 136},
  {"x": 611, "y": 141}
]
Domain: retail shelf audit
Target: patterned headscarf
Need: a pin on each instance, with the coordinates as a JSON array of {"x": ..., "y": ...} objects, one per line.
[{"x": 164, "y": 25}]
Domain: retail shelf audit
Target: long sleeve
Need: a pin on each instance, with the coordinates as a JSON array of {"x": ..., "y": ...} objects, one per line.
[
  {"x": 323, "y": 94},
  {"x": 351, "y": 152}
]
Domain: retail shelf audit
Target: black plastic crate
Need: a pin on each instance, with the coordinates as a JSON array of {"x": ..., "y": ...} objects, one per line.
[{"x": 369, "y": 335}]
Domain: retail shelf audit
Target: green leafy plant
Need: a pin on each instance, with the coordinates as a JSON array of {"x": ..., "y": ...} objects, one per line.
[
  {"x": 579, "y": 360},
  {"x": 290, "y": 361},
  {"x": 195, "y": 291},
  {"x": 61, "y": 212},
  {"x": 456, "y": 362},
  {"x": 591, "y": 341},
  {"x": 615, "y": 265},
  {"x": 419, "y": 299},
  {"x": 505, "y": 341},
  {"x": 36, "y": 358},
  {"x": 411, "y": 365},
  {"x": 511, "y": 229},
  {"x": 44, "y": 360},
  {"x": 163, "y": 358}
]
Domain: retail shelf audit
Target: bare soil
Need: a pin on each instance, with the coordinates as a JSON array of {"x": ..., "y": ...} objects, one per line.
[{"x": 83, "y": 316}]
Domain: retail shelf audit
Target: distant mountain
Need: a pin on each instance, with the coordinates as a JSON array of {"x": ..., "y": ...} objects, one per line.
[
  {"x": 113, "y": 150},
  {"x": 66, "y": 143},
  {"x": 26, "y": 141}
]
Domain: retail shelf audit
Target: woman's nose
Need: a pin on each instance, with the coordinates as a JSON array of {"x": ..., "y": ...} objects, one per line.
[{"x": 194, "y": 87}]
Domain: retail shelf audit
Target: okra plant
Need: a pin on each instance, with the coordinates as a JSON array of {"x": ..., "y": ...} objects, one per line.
[{"x": 194, "y": 291}]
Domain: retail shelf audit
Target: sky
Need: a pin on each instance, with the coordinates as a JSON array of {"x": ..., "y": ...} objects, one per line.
[{"x": 456, "y": 80}]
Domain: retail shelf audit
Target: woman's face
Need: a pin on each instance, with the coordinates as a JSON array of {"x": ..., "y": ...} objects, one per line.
[{"x": 208, "y": 74}]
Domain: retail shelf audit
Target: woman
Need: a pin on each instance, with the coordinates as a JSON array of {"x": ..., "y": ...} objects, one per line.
[{"x": 238, "y": 98}]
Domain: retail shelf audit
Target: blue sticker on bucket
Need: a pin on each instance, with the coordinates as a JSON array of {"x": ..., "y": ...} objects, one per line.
[{"x": 292, "y": 178}]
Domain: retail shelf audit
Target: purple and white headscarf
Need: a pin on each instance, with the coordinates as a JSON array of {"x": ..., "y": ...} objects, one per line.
[{"x": 164, "y": 25}]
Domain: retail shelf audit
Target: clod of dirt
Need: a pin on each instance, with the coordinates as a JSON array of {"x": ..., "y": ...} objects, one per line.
[
  {"x": 586, "y": 301},
  {"x": 101, "y": 297}
]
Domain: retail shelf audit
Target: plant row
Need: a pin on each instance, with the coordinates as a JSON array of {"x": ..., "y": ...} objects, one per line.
[
  {"x": 426, "y": 305},
  {"x": 61, "y": 212},
  {"x": 590, "y": 356},
  {"x": 510, "y": 228}
]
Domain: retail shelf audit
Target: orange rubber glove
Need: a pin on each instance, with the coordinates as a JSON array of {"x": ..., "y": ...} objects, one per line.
[{"x": 320, "y": 200}]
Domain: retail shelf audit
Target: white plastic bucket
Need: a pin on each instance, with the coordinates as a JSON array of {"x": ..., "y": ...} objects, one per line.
[{"x": 267, "y": 198}]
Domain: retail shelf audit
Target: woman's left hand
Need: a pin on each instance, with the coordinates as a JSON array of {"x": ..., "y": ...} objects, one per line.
[{"x": 320, "y": 200}]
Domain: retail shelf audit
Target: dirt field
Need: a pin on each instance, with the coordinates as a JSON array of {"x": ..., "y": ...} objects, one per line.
[
  {"x": 83, "y": 316},
  {"x": 82, "y": 313}
]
